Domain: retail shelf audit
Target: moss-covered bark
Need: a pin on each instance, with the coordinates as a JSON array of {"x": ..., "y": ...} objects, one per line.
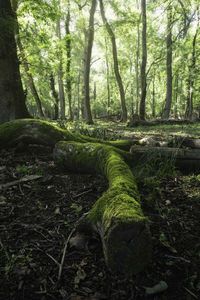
[
  {"x": 117, "y": 216},
  {"x": 45, "y": 133}
]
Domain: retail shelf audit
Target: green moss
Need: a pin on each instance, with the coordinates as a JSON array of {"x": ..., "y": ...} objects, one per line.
[{"x": 9, "y": 131}]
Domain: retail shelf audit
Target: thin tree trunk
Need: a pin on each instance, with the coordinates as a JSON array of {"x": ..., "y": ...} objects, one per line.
[
  {"x": 115, "y": 59},
  {"x": 78, "y": 92},
  {"x": 144, "y": 61},
  {"x": 137, "y": 64},
  {"x": 60, "y": 71},
  {"x": 87, "y": 62},
  {"x": 176, "y": 96},
  {"x": 55, "y": 95},
  {"x": 95, "y": 97},
  {"x": 168, "y": 100},
  {"x": 107, "y": 79},
  {"x": 153, "y": 95},
  {"x": 189, "y": 105},
  {"x": 25, "y": 64},
  {"x": 68, "y": 46}
]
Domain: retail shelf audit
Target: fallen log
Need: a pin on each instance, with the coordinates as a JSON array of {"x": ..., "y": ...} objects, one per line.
[
  {"x": 137, "y": 122},
  {"x": 184, "y": 159},
  {"x": 117, "y": 216}
]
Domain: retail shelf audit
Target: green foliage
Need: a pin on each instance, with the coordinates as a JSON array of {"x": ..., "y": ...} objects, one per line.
[
  {"x": 45, "y": 52},
  {"x": 14, "y": 261}
]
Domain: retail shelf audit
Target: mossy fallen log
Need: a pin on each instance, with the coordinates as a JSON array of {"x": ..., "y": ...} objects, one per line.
[
  {"x": 186, "y": 160},
  {"x": 31, "y": 131},
  {"x": 117, "y": 216}
]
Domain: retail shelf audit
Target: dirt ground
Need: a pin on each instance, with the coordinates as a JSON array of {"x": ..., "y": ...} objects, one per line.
[{"x": 40, "y": 205}]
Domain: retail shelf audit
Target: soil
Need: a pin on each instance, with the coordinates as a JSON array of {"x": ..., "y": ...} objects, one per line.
[{"x": 40, "y": 206}]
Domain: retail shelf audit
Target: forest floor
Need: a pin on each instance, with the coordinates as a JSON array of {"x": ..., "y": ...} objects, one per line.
[{"x": 40, "y": 205}]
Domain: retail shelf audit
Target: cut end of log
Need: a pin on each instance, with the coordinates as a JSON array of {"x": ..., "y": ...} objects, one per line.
[{"x": 128, "y": 247}]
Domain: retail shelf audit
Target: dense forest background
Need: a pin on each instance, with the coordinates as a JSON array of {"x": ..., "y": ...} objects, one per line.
[{"x": 92, "y": 59}]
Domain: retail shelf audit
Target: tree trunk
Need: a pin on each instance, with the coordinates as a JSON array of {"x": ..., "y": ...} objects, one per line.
[
  {"x": 137, "y": 67},
  {"x": 69, "y": 78},
  {"x": 60, "y": 70},
  {"x": 12, "y": 98},
  {"x": 144, "y": 62},
  {"x": 87, "y": 62},
  {"x": 107, "y": 79},
  {"x": 184, "y": 159},
  {"x": 78, "y": 95},
  {"x": 25, "y": 64},
  {"x": 189, "y": 105},
  {"x": 95, "y": 98},
  {"x": 55, "y": 95},
  {"x": 115, "y": 59},
  {"x": 153, "y": 96},
  {"x": 176, "y": 96},
  {"x": 168, "y": 100}
]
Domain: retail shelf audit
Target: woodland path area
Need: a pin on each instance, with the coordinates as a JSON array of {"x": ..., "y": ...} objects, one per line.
[{"x": 38, "y": 215}]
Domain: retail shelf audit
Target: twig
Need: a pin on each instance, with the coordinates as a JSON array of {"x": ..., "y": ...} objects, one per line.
[
  {"x": 191, "y": 293},
  {"x": 15, "y": 182},
  {"x": 83, "y": 193},
  {"x": 64, "y": 253},
  {"x": 179, "y": 258}
]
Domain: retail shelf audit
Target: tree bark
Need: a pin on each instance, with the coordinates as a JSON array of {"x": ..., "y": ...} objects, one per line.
[
  {"x": 60, "y": 70},
  {"x": 153, "y": 96},
  {"x": 168, "y": 100},
  {"x": 184, "y": 159},
  {"x": 25, "y": 64},
  {"x": 144, "y": 62},
  {"x": 107, "y": 79},
  {"x": 68, "y": 46},
  {"x": 189, "y": 105},
  {"x": 87, "y": 62},
  {"x": 55, "y": 95},
  {"x": 12, "y": 97},
  {"x": 115, "y": 59}
]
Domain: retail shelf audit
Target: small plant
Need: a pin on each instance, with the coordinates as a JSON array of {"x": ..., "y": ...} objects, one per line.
[
  {"x": 22, "y": 169},
  {"x": 15, "y": 260},
  {"x": 77, "y": 208}
]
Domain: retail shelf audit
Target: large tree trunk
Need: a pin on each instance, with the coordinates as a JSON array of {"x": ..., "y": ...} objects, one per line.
[
  {"x": 144, "y": 62},
  {"x": 87, "y": 62},
  {"x": 12, "y": 98},
  {"x": 25, "y": 64},
  {"x": 115, "y": 59},
  {"x": 168, "y": 100}
]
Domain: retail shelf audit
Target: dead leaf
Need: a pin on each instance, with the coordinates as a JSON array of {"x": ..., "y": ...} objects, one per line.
[
  {"x": 57, "y": 211},
  {"x": 80, "y": 275},
  {"x": 158, "y": 288}
]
